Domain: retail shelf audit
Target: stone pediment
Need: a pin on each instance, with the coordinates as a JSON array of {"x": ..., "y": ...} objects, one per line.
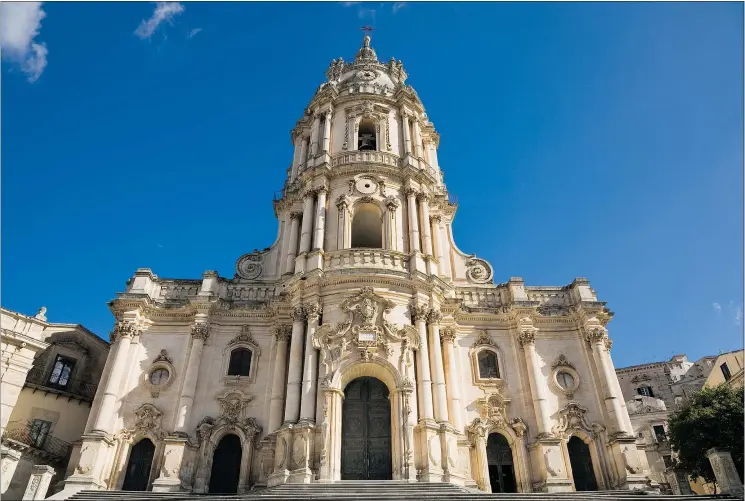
[{"x": 365, "y": 329}]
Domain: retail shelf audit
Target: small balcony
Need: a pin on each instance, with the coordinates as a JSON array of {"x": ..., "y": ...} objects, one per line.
[
  {"x": 369, "y": 156},
  {"x": 37, "y": 378},
  {"x": 23, "y": 436},
  {"x": 366, "y": 259}
]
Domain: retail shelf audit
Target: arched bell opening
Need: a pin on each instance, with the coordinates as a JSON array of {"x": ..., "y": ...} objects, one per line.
[
  {"x": 580, "y": 459},
  {"x": 501, "y": 466},
  {"x": 140, "y": 462},
  {"x": 366, "y": 136},
  {"x": 367, "y": 227},
  {"x": 366, "y": 437},
  {"x": 226, "y": 465}
]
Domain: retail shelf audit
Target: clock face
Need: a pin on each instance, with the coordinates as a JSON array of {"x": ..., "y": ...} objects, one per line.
[{"x": 366, "y": 75}]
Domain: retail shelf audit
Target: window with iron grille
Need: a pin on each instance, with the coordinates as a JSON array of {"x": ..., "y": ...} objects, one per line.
[
  {"x": 39, "y": 429},
  {"x": 60, "y": 376}
]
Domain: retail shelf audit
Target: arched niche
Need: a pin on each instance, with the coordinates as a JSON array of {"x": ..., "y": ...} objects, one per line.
[{"x": 367, "y": 226}]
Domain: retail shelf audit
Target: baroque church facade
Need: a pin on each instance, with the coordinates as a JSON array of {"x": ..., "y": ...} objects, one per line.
[{"x": 363, "y": 344}]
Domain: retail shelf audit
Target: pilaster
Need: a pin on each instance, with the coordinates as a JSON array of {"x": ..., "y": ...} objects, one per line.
[{"x": 173, "y": 456}]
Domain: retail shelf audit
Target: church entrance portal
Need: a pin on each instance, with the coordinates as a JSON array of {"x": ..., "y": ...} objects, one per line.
[
  {"x": 501, "y": 469},
  {"x": 366, "y": 431},
  {"x": 582, "y": 471},
  {"x": 226, "y": 466},
  {"x": 138, "y": 467}
]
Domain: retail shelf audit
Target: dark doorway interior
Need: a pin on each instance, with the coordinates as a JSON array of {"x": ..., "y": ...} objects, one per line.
[
  {"x": 582, "y": 471},
  {"x": 226, "y": 466},
  {"x": 366, "y": 431},
  {"x": 501, "y": 469},
  {"x": 138, "y": 467}
]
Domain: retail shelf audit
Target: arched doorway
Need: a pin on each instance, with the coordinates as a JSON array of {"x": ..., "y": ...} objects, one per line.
[
  {"x": 582, "y": 471},
  {"x": 138, "y": 466},
  {"x": 501, "y": 468},
  {"x": 226, "y": 466},
  {"x": 366, "y": 431}
]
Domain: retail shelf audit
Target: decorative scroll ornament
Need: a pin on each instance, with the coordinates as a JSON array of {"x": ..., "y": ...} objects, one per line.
[
  {"x": 147, "y": 419},
  {"x": 283, "y": 332},
  {"x": 483, "y": 339},
  {"x": 493, "y": 409},
  {"x": 163, "y": 357},
  {"x": 200, "y": 331},
  {"x": 641, "y": 377},
  {"x": 596, "y": 334},
  {"x": 366, "y": 329},
  {"x": 232, "y": 405},
  {"x": 249, "y": 266},
  {"x": 245, "y": 337},
  {"x": 124, "y": 329},
  {"x": 562, "y": 362},
  {"x": 478, "y": 270},
  {"x": 573, "y": 417}
]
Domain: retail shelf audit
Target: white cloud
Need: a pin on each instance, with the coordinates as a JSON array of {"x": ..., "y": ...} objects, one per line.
[
  {"x": 19, "y": 25},
  {"x": 717, "y": 307},
  {"x": 194, "y": 32},
  {"x": 398, "y": 6},
  {"x": 736, "y": 311},
  {"x": 164, "y": 11},
  {"x": 349, "y": 4},
  {"x": 365, "y": 13}
]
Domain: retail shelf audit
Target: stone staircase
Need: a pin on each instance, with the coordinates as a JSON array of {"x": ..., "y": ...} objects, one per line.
[{"x": 380, "y": 491}]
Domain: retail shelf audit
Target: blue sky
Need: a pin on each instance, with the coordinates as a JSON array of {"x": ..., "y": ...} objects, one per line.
[{"x": 602, "y": 140}]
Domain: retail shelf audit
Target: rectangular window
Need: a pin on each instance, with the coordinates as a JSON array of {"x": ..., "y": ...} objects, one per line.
[
  {"x": 645, "y": 391},
  {"x": 659, "y": 432},
  {"x": 725, "y": 371},
  {"x": 667, "y": 460},
  {"x": 38, "y": 432},
  {"x": 60, "y": 376}
]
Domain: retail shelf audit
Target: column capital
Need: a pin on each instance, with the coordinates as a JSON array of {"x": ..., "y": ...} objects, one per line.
[
  {"x": 596, "y": 335},
  {"x": 448, "y": 335},
  {"x": 526, "y": 337},
  {"x": 342, "y": 202},
  {"x": 435, "y": 218},
  {"x": 434, "y": 317},
  {"x": 309, "y": 193},
  {"x": 124, "y": 329},
  {"x": 410, "y": 192},
  {"x": 312, "y": 311},
  {"x": 419, "y": 312},
  {"x": 392, "y": 203},
  {"x": 298, "y": 314},
  {"x": 296, "y": 215},
  {"x": 200, "y": 330},
  {"x": 318, "y": 190},
  {"x": 283, "y": 333},
  {"x": 424, "y": 197}
]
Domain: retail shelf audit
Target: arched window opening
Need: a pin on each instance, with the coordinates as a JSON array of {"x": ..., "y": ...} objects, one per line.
[
  {"x": 366, "y": 136},
  {"x": 240, "y": 362},
  {"x": 488, "y": 364},
  {"x": 367, "y": 227}
]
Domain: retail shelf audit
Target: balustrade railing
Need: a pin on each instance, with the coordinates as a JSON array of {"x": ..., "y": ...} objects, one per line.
[
  {"x": 351, "y": 157},
  {"x": 366, "y": 258},
  {"x": 25, "y": 433},
  {"x": 79, "y": 388}
]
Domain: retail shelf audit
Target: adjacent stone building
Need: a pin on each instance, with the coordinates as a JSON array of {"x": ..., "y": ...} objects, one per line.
[
  {"x": 61, "y": 365},
  {"x": 363, "y": 343},
  {"x": 727, "y": 369}
]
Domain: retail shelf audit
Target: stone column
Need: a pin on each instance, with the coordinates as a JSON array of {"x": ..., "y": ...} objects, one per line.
[
  {"x": 413, "y": 220},
  {"x": 302, "y": 163},
  {"x": 9, "y": 459},
  {"x": 434, "y": 221},
  {"x": 200, "y": 331},
  {"x": 407, "y": 135},
  {"x": 444, "y": 264},
  {"x": 725, "y": 472},
  {"x": 678, "y": 480},
  {"x": 481, "y": 466},
  {"x": 391, "y": 235},
  {"x": 452, "y": 379},
  {"x": 295, "y": 371},
  {"x": 315, "y": 132},
  {"x": 417, "y": 139},
  {"x": 122, "y": 337},
  {"x": 310, "y": 367},
  {"x": 38, "y": 484},
  {"x": 423, "y": 377},
  {"x": 297, "y": 157},
  {"x": 282, "y": 335},
  {"x": 423, "y": 199},
  {"x": 292, "y": 250},
  {"x": 526, "y": 338},
  {"x": 342, "y": 205},
  {"x": 327, "y": 132},
  {"x": 320, "y": 218},
  {"x": 307, "y": 228},
  {"x": 438, "y": 371},
  {"x": 598, "y": 339}
]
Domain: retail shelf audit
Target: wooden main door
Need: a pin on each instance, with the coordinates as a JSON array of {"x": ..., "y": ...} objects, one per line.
[
  {"x": 366, "y": 431},
  {"x": 501, "y": 468},
  {"x": 582, "y": 471},
  {"x": 138, "y": 466}
]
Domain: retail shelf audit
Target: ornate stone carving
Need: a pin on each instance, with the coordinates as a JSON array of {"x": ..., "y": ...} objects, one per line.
[
  {"x": 483, "y": 339},
  {"x": 163, "y": 357},
  {"x": 296, "y": 215},
  {"x": 434, "y": 316},
  {"x": 124, "y": 329},
  {"x": 493, "y": 410},
  {"x": 204, "y": 429},
  {"x": 249, "y": 266},
  {"x": 298, "y": 314},
  {"x": 232, "y": 405},
  {"x": 573, "y": 417},
  {"x": 147, "y": 419},
  {"x": 299, "y": 450},
  {"x": 478, "y": 271},
  {"x": 245, "y": 337},
  {"x": 596, "y": 334},
  {"x": 641, "y": 377},
  {"x": 562, "y": 362},
  {"x": 313, "y": 310},
  {"x": 519, "y": 426},
  {"x": 283, "y": 332},
  {"x": 418, "y": 312},
  {"x": 447, "y": 335},
  {"x": 526, "y": 336},
  {"x": 200, "y": 331},
  {"x": 552, "y": 310}
]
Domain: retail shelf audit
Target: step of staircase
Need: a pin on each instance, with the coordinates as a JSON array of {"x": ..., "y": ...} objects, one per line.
[{"x": 389, "y": 490}]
